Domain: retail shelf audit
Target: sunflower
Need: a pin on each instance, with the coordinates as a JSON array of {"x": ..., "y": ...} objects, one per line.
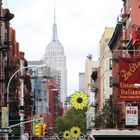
[
  {"x": 75, "y": 132},
  {"x": 66, "y": 134},
  {"x": 79, "y": 100}
]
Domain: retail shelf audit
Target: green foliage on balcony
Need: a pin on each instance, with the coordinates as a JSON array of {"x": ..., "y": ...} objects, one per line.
[{"x": 109, "y": 117}]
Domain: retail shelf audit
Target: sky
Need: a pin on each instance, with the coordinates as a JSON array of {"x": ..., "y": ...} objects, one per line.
[{"x": 80, "y": 25}]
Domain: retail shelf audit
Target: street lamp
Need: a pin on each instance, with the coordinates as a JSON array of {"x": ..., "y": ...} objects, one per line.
[{"x": 8, "y": 92}]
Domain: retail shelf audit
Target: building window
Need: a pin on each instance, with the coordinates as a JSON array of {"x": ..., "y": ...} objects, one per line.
[{"x": 110, "y": 64}]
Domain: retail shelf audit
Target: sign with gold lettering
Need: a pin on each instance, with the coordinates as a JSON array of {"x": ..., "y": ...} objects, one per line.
[{"x": 129, "y": 75}]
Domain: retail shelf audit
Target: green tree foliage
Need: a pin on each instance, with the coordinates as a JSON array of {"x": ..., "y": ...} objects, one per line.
[
  {"x": 109, "y": 116},
  {"x": 72, "y": 118}
]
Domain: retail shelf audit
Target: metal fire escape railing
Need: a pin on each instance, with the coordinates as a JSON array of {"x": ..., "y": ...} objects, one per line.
[{"x": 5, "y": 17}]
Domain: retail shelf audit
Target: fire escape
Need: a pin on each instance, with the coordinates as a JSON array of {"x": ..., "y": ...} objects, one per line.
[
  {"x": 5, "y": 17},
  {"x": 129, "y": 42}
]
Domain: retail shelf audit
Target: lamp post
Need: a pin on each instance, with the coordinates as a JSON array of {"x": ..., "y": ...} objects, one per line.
[{"x": 8, "y": 92}]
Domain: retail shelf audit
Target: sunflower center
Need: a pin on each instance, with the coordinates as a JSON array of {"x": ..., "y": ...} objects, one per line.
[
  {"x": 67, "y": 134},
  {"x": 75, "y": 131},
  {"x": 79, "y": 100}
]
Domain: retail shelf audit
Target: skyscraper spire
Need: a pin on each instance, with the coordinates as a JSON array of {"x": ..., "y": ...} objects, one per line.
[
  {"x": 54, "y": 33},
  {"x": 54, "y": 11}
]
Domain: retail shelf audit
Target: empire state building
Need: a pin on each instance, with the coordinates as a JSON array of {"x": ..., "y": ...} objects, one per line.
[{"x": 55, "y": 58}]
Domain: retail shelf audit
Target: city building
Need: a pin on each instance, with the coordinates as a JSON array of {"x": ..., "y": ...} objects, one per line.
[
  {"x": 6, "y": 69},
  {"x": 55, "y": 58},
  {"x": 90, "y": 66},
  {"x": 124, "y": 45},
  {"x": 105, "y": 58},
  {"x": 89, "y": 86},
  {"x": 14, "y": 84},
  {"x": 38, "y": 77},
  {"x": 45, "y": 93}
]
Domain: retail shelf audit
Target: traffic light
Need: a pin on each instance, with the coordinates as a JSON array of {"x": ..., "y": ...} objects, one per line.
[
  {"x": 38, "y": 130},
  {"x": 45, "y": 130}
]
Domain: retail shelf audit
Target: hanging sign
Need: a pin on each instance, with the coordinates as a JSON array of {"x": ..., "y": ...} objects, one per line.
[{"x": 129, "y": 75}]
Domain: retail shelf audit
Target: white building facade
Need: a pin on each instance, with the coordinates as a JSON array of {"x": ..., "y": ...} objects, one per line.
[
  {"x": 105, "y": 67},
  {"x": 55, "y": 58},
  {"x": 90, "y": 66}
]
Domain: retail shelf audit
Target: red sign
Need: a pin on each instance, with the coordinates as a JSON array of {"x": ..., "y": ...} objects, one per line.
[{"x": 129, "y": 75}]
